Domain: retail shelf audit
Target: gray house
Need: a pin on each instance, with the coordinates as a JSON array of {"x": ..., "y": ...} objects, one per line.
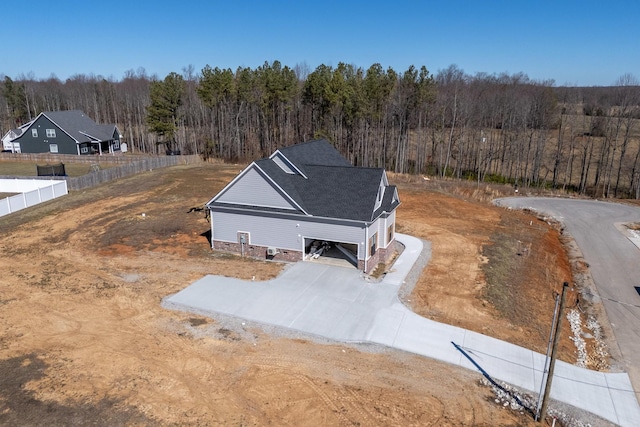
[
  {"x": 307, "y": 201},
  {"x": 63, "y": 132}
]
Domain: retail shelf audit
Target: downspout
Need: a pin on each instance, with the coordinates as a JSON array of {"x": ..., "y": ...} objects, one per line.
[
  {"x": 384, "y": 231},
  {"x": 366, "y": 246},
  {"x": 211, "y": 219}
]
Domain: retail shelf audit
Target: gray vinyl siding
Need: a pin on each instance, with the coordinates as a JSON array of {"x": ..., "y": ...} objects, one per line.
[
  {"x": 385, "y": 226},
  {"x": 380, "y": 226},
  {"x": 284, "y": 233},
  {"x": 375, "y": 228},
  {"x": 253, "y": 189}
]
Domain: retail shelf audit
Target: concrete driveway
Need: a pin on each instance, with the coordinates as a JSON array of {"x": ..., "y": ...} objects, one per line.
[
  {"x": 614, "y": 262},
  {"x": 338, "y": 303}
]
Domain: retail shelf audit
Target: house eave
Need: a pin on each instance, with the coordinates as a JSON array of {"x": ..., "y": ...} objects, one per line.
[
  {"x": 257, "y": 211},
  {"x": 94, "y": 139},
  {"x": 374, "y": 217}
]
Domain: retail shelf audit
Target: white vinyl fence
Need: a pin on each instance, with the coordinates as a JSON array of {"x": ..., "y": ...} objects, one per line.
[{"x": 33, "y": 191}]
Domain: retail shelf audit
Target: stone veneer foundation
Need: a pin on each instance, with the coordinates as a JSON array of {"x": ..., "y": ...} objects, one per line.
[
  {"x": 255, "y": 251},
  {"x": 382, "y": 255}
]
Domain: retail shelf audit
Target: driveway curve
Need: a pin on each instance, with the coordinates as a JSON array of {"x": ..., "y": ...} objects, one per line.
[
  {"x": 613, "y": 258},
  {"x": 340, "y": 304}
]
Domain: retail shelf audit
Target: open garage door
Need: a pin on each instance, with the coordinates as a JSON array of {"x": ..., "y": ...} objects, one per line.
[{"x": 330, "y": 252}]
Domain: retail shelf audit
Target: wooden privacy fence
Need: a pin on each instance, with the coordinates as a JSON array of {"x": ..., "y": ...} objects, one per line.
[
  {"x": 129, "y": 165},
  {"x": 74, "y": 158},
  {"x": 133, "y": 167}
]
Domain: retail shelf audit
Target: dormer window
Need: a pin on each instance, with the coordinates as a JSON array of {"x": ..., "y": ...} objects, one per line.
[
  {"x": 395, "y": 198},
  {"x": 283, "y": 164}
]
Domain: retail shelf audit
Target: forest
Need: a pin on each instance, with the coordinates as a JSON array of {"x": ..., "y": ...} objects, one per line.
[{"x": 503, "y": 128}]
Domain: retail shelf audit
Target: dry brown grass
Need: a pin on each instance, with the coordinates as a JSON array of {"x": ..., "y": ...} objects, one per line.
[{"x": 14, "y": 168}]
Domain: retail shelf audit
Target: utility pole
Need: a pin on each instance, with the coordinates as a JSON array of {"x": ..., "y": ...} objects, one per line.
[
  {"x": 552, "y": 364},
  {"x": 545, "y": 370}
]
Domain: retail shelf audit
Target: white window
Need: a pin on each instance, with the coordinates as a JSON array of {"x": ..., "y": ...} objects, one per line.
[
  {"x": 51, "y": 133},
  {"x": 53, "y": 148},
  {"x": 116, "y": 144},
  {"x": 84, "y": 150},
  {"x": 390, "y": 233},
  {"x": 34, "y": 133}
]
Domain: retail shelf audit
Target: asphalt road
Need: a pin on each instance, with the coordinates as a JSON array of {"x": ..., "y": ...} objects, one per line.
[{"x": 613, "y": 259}]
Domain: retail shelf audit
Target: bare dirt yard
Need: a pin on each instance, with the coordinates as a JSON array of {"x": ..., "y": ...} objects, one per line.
[{"x": 84, "y": 339}]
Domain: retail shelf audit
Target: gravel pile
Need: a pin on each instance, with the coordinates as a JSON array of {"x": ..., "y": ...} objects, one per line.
[
  {"x": 514, "y": 399},
  {"x": 415, "y": 272}
]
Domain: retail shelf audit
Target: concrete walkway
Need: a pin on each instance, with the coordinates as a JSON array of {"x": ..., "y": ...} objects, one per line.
[{"x": 340, "y": 304}]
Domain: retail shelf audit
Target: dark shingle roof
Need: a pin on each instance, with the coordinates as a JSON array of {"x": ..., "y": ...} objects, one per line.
[
  {"x": 20, "y": 130},
  {"x": 80, "y": 126},
  {"x": 331, "y": 187},
  {"x": 318, "y": 152},
  {"x": 388, "y": 204},
  {"x": 343, "y": 192}
]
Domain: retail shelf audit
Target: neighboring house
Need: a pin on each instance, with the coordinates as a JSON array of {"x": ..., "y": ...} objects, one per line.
[
  {"x": 290, "y": 205},
  {"x": 9, "y": 137},
  {"x": 63, "y": 132}
]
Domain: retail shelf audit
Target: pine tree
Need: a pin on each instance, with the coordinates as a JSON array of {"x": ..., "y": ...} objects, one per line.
[
  {"x": 16, "y": 98},
  {"x": 163, "y": 113}
]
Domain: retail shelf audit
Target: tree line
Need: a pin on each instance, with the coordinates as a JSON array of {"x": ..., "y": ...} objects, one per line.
[{"x": 484, "y": 127}]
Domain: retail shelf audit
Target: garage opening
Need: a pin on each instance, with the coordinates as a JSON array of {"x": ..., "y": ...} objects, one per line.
[{"x": 329, "y": 252}]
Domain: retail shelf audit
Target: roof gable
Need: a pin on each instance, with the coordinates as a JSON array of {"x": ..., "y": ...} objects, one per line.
[
  {"x": 253, "y": 188},
  {"x": 43, "y": 117},
  {"x": 79, "y": 126},
  {"x": 15, "y": 133},
  {"x": 314, "y": 178},
  {"x": 390, "y": 201},
  {"x": 345, "y": 192}
]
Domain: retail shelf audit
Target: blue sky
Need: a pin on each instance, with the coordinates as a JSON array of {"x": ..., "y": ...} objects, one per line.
[{"x": 582, "y": 43}]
